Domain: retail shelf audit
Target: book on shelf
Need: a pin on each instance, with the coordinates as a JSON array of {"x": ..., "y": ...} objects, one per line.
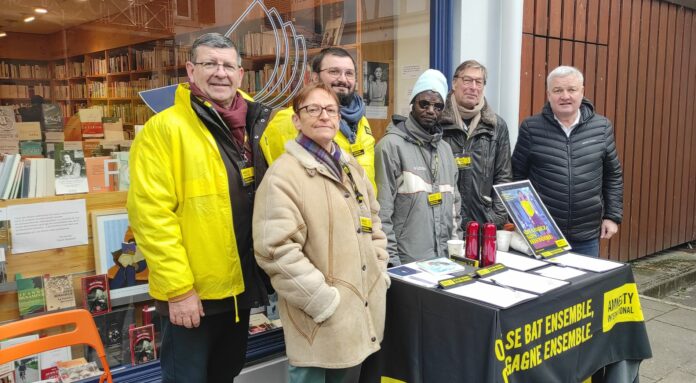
[
  {"x": 113, "y": 128},
  {"x": 151, "y": 316},
  {"x": 91, "y": 122},
  {"x": 31, "y": 149},
  {"x": 72, "y": 131},
  {"x": 259, "y": 323},
  {"x": 97, "y": 173},
  {"x": 333, "y": 30},
  {"x": 48, "y": 361},
  {"x": 9, "y": 139},
  {"x": 8, "y": 168},
  {"x": 3, "y": 263},
  {"x": 30, "y": 296},
  {"x": 70, "y": 173},
  {"x": 7, "y": 374},
  {"x": 95, "y": 294},
  {"x": 77, "y": 369},
  {"x": 52, "y": 118},
  {"x": 28, "y": 131},
  {"x": 59, "y": 292},
  {"x": 123, "y": 179},
  {"x": 142, "y": 344},
  {"x": 113, "y": 330},
  {"x": 27, "y": 369}
]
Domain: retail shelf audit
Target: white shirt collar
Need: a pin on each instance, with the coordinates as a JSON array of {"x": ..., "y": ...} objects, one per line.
[{"x": 568, "y": 129}]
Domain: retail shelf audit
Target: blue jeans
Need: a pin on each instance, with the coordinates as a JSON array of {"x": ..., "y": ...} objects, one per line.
[{"x": 589, "y": 248}]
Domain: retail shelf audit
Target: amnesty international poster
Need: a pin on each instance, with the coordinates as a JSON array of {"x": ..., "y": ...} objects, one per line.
[{"x": 531, "y": 218}]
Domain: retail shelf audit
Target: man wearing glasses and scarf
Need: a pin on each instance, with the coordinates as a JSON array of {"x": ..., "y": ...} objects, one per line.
[
  {"x": 336, "y": 68},
  {"x": 417, "y": 178}
]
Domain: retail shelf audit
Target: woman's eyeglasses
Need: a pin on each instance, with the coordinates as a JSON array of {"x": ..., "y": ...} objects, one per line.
[{"x": 315, "y": 110}]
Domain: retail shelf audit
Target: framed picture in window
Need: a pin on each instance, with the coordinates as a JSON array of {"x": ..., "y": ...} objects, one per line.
[{"x": 116, "y": 253}]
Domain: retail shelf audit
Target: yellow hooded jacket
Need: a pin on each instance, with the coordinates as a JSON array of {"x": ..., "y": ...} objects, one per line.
[
  {"x": 281, "y": 129},
  {"x": 179, "y": 206}
]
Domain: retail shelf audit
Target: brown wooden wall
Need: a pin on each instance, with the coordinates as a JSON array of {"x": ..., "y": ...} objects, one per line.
[{"x": 639, "y": 61}]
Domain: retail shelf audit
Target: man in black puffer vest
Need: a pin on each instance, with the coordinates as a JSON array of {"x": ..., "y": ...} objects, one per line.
[{"x": 569, "y": 154}]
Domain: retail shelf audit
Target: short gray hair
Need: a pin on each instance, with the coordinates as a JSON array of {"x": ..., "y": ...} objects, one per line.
[
  {"x": 564, "y": 71},
  {"x": 214, "y": 40}
]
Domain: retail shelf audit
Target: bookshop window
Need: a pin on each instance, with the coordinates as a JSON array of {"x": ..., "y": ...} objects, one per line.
[{"x": 92, "y": 54}]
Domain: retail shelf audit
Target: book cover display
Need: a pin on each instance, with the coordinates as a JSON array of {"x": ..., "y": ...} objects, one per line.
[
  {"x": 95, "y": 293},
  {"x": 70, "y": 172},
  {"x": 59, "y": 292},
  {"x": 113, "y": 331},
  {"x": 142, "y": 344},
  {"x": 91, "y": 122},
  {"x": 531, "y": 218},
  {"x": 26, "y": 369},
  {"x": 30, "y": 296}
]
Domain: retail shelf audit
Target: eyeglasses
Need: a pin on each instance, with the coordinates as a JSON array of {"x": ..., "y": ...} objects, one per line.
[
  {"x": 211, "y": 66},
  {"x": 438, "y": 106},
  {"x": 468, "y": 81},
  {"x": 336, "y": 73},
  {"x": 315, "y": 110}
]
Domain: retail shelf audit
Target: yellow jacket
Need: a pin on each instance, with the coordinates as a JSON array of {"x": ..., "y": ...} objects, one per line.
[
  {"x": 179, "y": 206},
  {"x": 281, "y": 129}
]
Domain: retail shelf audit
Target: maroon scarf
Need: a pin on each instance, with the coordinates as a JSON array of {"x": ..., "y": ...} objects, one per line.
[{"x": 234, "y": 117}]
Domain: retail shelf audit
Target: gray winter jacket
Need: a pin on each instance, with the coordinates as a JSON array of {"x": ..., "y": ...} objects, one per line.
[{"x": 410, "y": 165}]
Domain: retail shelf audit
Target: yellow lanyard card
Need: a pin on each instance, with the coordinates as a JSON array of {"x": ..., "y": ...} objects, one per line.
[
  {"x": 434, "y": 199},
  {"x": 248, "y": 175},
  {"x": 366, "y": 224},
  {"x": 357, "y": 149},
  {"x": 463, "y": 162}
]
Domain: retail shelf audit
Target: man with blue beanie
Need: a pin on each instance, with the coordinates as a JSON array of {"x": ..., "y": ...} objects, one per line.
[{"x": 417, "y": 178}]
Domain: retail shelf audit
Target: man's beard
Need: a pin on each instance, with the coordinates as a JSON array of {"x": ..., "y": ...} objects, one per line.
[{"x": 345, "y": 99}]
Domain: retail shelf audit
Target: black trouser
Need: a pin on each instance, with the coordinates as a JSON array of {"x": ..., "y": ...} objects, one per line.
[{"x": 213, "y": 352}]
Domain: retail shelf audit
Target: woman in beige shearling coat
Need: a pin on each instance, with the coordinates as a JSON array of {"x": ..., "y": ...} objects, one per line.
[{"x": 319, "y": 238}]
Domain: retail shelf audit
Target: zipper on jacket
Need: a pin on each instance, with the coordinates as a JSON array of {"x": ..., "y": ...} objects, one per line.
[{"x": 569, "y": 151}]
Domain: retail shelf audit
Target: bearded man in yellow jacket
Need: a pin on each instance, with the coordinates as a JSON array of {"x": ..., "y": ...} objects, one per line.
[
  {"x": 336, "y": 68},
  {"x": 194, "y": 171}
]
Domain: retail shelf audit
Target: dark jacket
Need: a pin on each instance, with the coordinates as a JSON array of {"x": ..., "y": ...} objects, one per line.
[
  {"x": 489, "y": 150},
  {"x": 256, "y": 282},
  {"x": 578, "y": 178}
]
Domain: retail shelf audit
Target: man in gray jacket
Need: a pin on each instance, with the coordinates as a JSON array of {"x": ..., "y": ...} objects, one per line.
[
  {"x": 417, "y": 178},
  {"x": 480, "y": 143}
]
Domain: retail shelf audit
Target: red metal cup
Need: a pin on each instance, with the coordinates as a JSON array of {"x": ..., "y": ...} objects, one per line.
[
  {"x": 488, "y": 249},
  {"x": 472, "y": 240}
]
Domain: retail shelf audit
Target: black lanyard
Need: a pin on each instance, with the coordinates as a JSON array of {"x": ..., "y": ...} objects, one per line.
[
  {"x": 358, "y": 196},
  {"x": 434, "y": 169}
]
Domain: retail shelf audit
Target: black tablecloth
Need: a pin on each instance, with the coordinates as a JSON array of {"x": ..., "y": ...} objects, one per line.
[{"x": 562, "y": 336}]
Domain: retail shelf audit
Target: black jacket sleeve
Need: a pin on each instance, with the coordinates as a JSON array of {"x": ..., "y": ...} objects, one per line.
[
  {"x": 612, "y": 180},
  {"x": 520, "y": 157}
]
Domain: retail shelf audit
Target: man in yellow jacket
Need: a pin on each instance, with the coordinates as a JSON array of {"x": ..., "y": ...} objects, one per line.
[
  {"x": 194, "y": 170},
  {"x": 336, "y": 68}
]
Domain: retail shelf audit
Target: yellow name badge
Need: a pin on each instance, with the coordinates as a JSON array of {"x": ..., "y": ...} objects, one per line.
[
  {"x": 366, "y": 224},
  {"x": 248, "y": 176},
  {"x": 434, "y": 199},
  {"x": 463, "y": 162},
  {"x": 357, "y": 149}
]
